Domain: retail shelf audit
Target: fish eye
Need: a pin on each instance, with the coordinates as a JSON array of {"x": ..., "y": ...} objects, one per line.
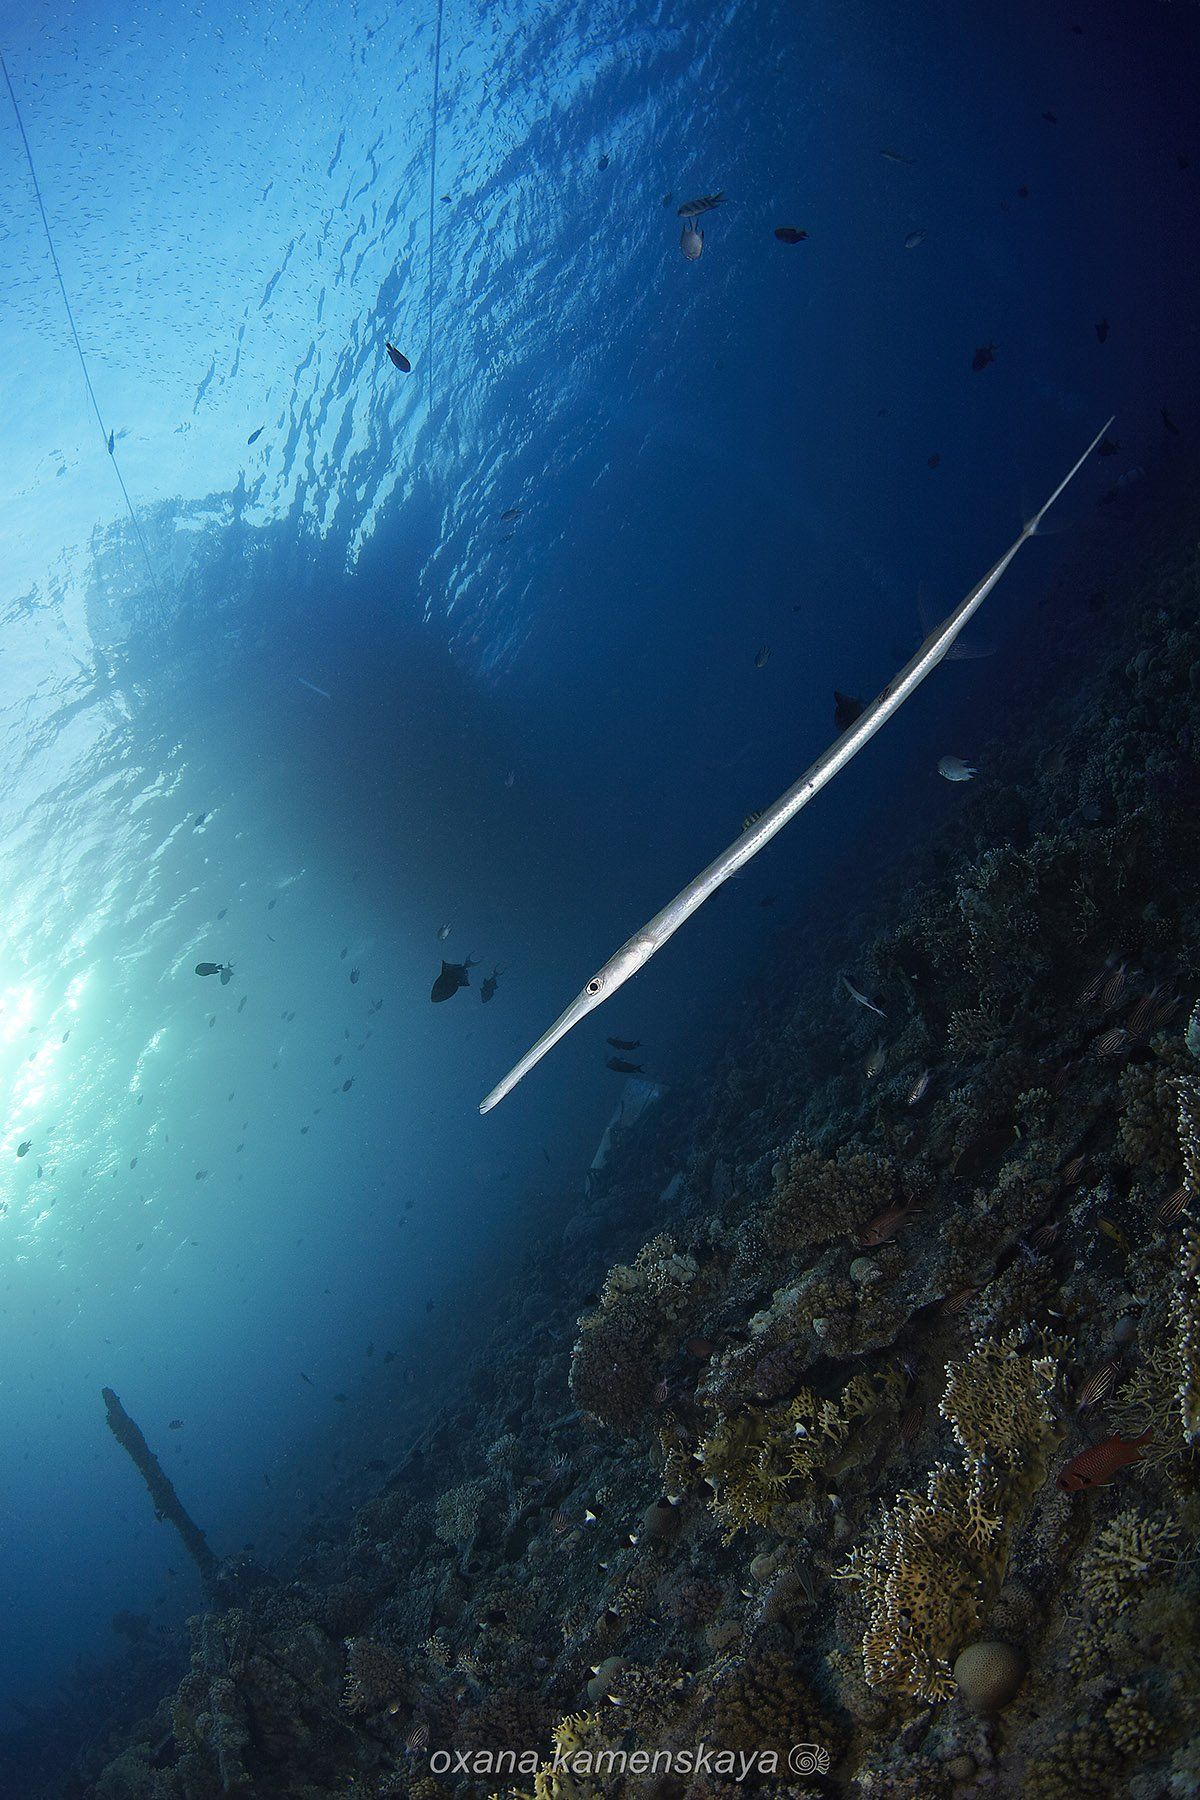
[{"x": 593, "y": 986}]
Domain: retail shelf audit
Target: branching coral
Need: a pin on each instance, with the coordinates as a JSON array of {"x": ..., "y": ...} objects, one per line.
[
  {"x": 817, "y": 1196},
  {"x": 1131, "y": 1551},
  {"x": 613, "y": 1363},
  {"x": 1163, "y": 1393},
  {"x": 458, "y": 1513},
  {"x": 924, "y": 1573},
  {"x": 375, "y": 1678},
  {"x": 752, "y": 1460}
]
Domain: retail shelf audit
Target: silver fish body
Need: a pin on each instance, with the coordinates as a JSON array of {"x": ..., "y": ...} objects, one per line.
[
  {"x": 637, "y": 950},
  {"x": 691, "y": 242},
  {"x": 953, "y": 768}
]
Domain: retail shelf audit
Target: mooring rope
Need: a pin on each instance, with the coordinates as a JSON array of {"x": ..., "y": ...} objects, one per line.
[
  {"x": 437, "y": 78},
  {"x": 62, "y": 286}
]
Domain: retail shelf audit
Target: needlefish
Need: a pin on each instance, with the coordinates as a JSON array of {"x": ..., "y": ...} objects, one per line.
[{"x": 637, "y": 951}]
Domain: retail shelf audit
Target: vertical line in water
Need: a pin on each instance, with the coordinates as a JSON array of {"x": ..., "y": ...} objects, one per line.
[
  {"x": 62, "y": 288},
  {"x": 437, "y": 76}
]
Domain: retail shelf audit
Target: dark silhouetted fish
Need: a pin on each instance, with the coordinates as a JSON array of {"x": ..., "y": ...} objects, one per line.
[
  {"x": 306, "y": 1378},
  {"x": 935, "y": 459},
  {"x": 23, "y": 1149},
  {"x": 603, "y": 163},
  {"x": 691, "y": 209},
  {"x": 452, "y": 977},
  {"x": 1102, "y": 329},
  {"x": 985, "y": 354},
  {"x": 895, "y": 156},
  {"x": 488, "y": 988},
  {"x": 1169, "y": 422},
  {"x": 354, "y": 975},
  {"x": 398, "y": 357},
  {"x": 620, "y": 1067},
  {"x": 255, "y": 435},
  {"x": 914, "y": 238},
  {"x": 347, "y": 1084},
  {"x": 626, "y": 1043},
  {"x": 788, "y": 234},
  {"x": 224, "y": 970},
  {"x": 1107, "y": 447},
  {"x": 112, "y": 442},
  {"x": 175, "y": 1425},
  {"x": 1022, "y": 192},
  {"x": 845, "y": 710},
  {"x": 762, "y": 658},
  {"x": 1050, "y": 118},
  {"x": 509, "y": 514}
]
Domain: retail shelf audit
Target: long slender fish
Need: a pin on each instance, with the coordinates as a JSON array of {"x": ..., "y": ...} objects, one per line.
[{"x": 652, "y": 936}]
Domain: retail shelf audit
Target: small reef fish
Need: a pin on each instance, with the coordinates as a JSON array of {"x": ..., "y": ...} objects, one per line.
[
  {"x": 862, "y": 998},
  {"x": 224, "y": 970},
  {"x": 1168, "y": 422},
  {"x": 788, "y": 234},
  {"x": 1107, "y": 447},
  {"x": 443, "y": 932},
  {"x": 1173, "y": 1205},
  {"x": 750, "y": 819},
  {"x": 23, "y": 1149},
  {"x": 255, "y": 435},
  {"x": 620, "y": 1067},
  {"x": 846, "y": 709},
  {"x": 398, "y": 357},
  {"x": 691, "y": 242},
  {"x": 488, "y": 987},
  {"x": 895, "y": 156},
  {"x": 1099, "y": 1384},
  {"x": 1117, "y": 1236},
  {"x": 354, "y": 975},
  {"x": 1102, "y": 330},
  {"x": 692, "y": 209},
  {"x": 985, "y": 354},
  {"x": 917, "y": 1090},
  {"x": 953, "y": 768},
  {"x": 885, "y": 1225},
  {"x": 1050, "y": 118},
  {"x": 873, "y": 1066},
  {"x": 509, "y": 514},
  {"x": 1111, "y": 1043},
  {"x": 625, "y": 1043},
  {"x": 914, "y": 238},
  {"x": 175, "y": 1425},
  {"x": 763, "y": 658},
  {"x": 112, "y": 443},
  {"x": 452, "y": 977},
  {"x": 1096, "y": 1467}
]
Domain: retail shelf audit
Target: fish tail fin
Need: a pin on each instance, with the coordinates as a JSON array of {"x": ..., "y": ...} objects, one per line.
[
  {"x": 1145, "y": 1438},
  {"x": 1034, "y": 523}
]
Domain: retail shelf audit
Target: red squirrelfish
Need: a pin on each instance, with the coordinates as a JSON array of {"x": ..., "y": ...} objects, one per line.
[
  {"x": 884, "y": 1226},
  {"x": 1097, "y": 1466}
]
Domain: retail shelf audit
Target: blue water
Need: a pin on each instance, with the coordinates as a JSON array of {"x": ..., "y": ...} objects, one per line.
[{"x": 534, "y": 731}]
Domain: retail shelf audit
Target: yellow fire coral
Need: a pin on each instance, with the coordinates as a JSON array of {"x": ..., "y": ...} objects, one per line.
[
  {"x": 751, "y": 1460},
  {"x": 923, "y": 1574}
]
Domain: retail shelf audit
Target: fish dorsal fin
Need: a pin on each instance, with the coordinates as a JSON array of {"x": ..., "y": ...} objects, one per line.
[{"x": 446, "y": 966}]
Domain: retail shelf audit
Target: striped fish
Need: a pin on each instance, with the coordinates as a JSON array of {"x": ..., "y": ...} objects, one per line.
[
  {"x": 691, "y": 209},
  {"x": 1173, "y": 1205},
  {"x": 1098, "y": 1385}
]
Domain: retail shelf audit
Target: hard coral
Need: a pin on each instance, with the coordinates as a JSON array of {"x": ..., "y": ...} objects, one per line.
[
  {"x": 620, "y": 1345},
  {"x": 933, "y": 1557},
  {"x": 375, "y": 1677}
]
